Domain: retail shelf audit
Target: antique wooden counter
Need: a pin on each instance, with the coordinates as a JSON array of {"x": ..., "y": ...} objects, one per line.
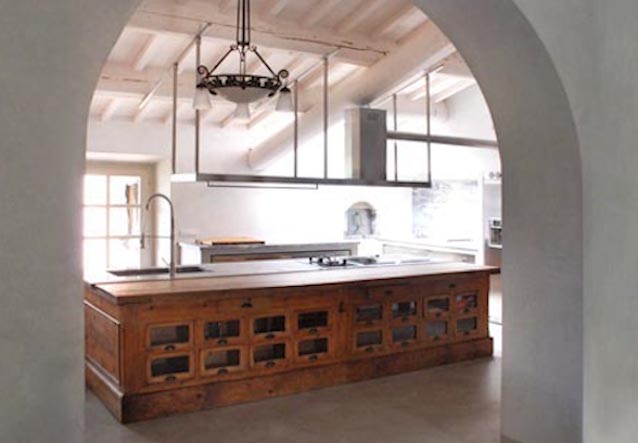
[{"x": 160, "y": 347}]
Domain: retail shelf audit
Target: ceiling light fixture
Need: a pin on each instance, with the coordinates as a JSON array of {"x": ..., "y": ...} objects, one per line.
[{"x": 241, "y": 88}]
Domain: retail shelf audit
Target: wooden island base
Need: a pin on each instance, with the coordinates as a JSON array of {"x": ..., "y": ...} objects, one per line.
[
  {"x": 138, "y": 407},
  {"x": 159, "y": 348}
]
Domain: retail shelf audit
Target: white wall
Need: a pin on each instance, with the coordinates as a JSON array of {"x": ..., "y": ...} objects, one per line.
[
  {"x": 542, "y": 389},
  {"x": 598, "y": 63},
  {"x": 52, "y": 53}
]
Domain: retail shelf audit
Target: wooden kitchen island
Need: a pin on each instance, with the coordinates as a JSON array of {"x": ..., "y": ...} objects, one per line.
[{"x": 160, "y": 347}]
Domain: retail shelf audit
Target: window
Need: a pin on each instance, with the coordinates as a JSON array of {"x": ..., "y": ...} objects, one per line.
[{"x": 113, "y": 205}]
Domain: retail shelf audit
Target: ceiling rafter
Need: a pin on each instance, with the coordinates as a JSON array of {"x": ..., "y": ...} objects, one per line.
[
  {"x": 399, "y": 16},
  {"x": 109, "y": 110},
  {"x": 267, "y": 33},
  {"x": 352, "y": 20},
  {"x": 146, "y": 52},
  {"x": 273, "y": 8},
  {"x": 319, "y": 11}
]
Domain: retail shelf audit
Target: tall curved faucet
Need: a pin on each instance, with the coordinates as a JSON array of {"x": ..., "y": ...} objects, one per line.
[{"x": 173, "y": 264}]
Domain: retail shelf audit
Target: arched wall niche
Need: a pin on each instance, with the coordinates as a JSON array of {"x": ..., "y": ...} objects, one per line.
[{"x": 542, "y": 381}]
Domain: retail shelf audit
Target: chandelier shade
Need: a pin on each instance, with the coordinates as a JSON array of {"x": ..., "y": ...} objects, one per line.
[
  {"x": 284, "y": 103},
  {"x": 201, "y": 101}
]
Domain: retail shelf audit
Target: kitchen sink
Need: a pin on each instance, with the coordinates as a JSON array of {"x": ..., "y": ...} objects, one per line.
[{"x": 156, "y": 271}]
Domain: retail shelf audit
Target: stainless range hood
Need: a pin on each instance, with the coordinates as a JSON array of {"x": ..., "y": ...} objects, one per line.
[{"x": 366, "y": 144}]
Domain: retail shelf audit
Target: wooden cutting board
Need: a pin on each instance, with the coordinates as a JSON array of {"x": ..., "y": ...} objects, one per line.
[{"x": 226, "y": 241}]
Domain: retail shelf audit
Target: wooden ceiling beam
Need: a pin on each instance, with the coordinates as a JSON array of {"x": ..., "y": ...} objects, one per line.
[
  {"x": 401, "y": 14},
  {"x": 273, "y": 8},
  {"x": 146, "y": 53},
  {"x": 110, "y": 110},
  {"x": 119, "y": 81},
  {"x": 319, "y": 11},
  {"x": 360, "y": 15},
  {"x": 267, "y": 33}
]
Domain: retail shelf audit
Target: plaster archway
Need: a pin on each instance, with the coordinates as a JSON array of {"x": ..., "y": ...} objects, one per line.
[{"x": 542, "y": 390}]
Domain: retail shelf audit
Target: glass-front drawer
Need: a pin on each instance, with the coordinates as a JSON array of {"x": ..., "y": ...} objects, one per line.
[
  {"x": 404, "y": 336},
  {"x": 223, "y": 361},
  {"x": 437, "y": 306},
  {"x": 270, "y": 356},
  {"x": 437, "y": 330},
  {"x": 170, "y": 337},
  {"x": 270, "y": 327},
  {"x": 466, "y": 303},
  {"x": 368, "y": 341},
  {"x": 313, "y": 322},
  {"x": 170, "y": 368},
  {"x": 313, "y": 349},
  {"x": 368, "y": 314},
  {"x": 222, "y": 333},
  {"x": 404, "y": 310},
  {"x": 467, "y": 327}
]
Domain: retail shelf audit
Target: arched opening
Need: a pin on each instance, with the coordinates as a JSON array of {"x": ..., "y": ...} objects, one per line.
[{"x": 534, "y": 209}]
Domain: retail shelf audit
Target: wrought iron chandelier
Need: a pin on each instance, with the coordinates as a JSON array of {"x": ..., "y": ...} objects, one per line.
[{"x": 242, "y": 88}]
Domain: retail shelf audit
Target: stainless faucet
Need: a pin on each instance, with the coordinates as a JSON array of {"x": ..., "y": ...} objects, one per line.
[{"x": 173, "y": 264}]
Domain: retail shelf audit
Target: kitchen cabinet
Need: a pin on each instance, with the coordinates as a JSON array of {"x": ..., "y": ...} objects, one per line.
[{"x": 155, "y": 354}]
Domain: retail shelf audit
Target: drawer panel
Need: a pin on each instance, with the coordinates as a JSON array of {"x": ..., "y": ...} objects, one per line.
[
  {"x": 271, "y": 355},
  {"x": 370, "y": 341},
  {"x": 170, "y": 368},
  {"x": 251, "y": 305},
  {"x": 169, "y": 337},
  {"x": 223, "y": 361},
  {"x": 270, "y": 327},
  {"x": 437, "y": 330},
  {"x": 224, "y": 332},
  {"x": 312, "y": 350}
]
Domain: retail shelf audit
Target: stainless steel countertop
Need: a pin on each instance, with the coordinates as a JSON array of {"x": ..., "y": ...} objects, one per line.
[{"x": 235, "y": 269}]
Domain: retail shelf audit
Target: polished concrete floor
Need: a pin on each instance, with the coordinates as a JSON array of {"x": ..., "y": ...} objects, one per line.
[{"x": 449, "y": 404}]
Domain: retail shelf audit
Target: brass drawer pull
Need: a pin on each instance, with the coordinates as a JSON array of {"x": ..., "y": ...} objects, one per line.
[
  {"x": 313, "y": 331},
  {"x": 313, "y": 357},
  {"x": 222, "y": 342},
  {"x": 270, "y": 364},
  {"x": 370, "y": 349},
  {"x": 222, "y": 371},
  {"x": 170, "y": 378},
  {"x": 169, "y": 348},
  {"x": 247, "y": 304},
  {"x": 270, "y": 336}
]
